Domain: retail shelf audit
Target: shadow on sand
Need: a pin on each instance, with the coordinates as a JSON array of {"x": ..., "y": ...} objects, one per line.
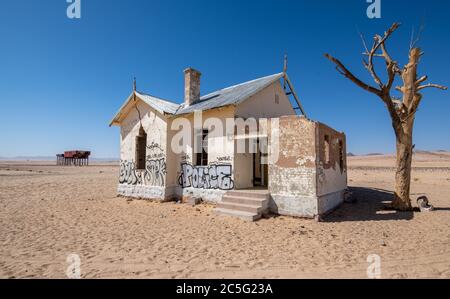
[{"x": 370, "y": 205}]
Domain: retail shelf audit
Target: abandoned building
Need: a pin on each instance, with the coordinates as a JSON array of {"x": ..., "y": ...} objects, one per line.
[{"x": 297, "y": 168}]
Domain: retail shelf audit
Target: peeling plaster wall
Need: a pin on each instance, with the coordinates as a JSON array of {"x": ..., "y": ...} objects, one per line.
[
  {"x": 292, "y": 179},
  {"x": 331, "y": 177},
  {"x": 268, "y": 103},
  {"x": 149, "y": 183},
  {"x": 303, "y": 181}
]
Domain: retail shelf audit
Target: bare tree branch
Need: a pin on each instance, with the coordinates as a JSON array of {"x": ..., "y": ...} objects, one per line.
[
  {"x": 402, "y": 110},
  {"x": 430, "y": 85},
  {"x": 384, "y": 95},
  {"x": 414, "y": 42},
  {"x": 398, "y": 88},
  {"x": 345, "y": 72},
  {"x": 421, "y": 80},
  {"x": 412, "y": 39},
  {"x": 364, "y": 42},
  {"x": 374, "y": 55},
  {"x": 369, "y": 66},
  {"x": 392, "y": 68}
]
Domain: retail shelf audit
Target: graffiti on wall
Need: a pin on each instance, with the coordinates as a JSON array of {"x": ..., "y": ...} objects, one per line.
[
  {"x": 155, "y": 151},
  {"x": 153, "y": 174},
  {"x": 206, "y": 177},
  {"x": 127, "y": 173},
  {"x": 224, "y": 159},
  {"x": 185, "y": 158}
]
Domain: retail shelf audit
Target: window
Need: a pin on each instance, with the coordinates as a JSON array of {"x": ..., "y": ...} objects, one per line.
[
  {"x": 141, "y": 149},
  {"x": 202, "y": 157},
  {"x": 326, "y": 148},
  {"x": 341, "y": 154}
]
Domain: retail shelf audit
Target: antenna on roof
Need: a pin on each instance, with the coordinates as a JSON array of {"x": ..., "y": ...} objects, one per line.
[
  {"x": 285, "y": 70},
  {"x": 285, "y": 63},
  {"x": 141, "y": 129}
]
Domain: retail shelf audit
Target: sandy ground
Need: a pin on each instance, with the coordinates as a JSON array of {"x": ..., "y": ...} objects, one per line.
[{"x": 49, "y": 212}]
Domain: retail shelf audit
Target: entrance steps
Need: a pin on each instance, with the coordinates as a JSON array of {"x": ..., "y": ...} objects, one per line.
[{"x": 248, "y": 205}]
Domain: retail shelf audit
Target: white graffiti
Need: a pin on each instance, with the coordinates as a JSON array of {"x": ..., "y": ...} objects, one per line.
[
  {"x": 153, "y": 175},
  {"x": 156, "y": 171},
  {"x": 206, "y": 177}
]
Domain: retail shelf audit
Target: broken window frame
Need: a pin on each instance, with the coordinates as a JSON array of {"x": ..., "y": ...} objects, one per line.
[
  {"x": 202, "y": 157},
  {"x": 141, "y": 150}
]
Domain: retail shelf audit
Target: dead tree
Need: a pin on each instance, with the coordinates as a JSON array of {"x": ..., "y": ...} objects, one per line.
[{"x": 402, "y": 111}]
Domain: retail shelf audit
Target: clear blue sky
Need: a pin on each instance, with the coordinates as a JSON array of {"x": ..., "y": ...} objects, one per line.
[{"x": 62, "y": 80}]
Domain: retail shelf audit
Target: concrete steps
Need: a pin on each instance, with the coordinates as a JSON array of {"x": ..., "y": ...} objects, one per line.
[
  {"x": 246, "y": 205},
  {"x": 238, "y": 214}
]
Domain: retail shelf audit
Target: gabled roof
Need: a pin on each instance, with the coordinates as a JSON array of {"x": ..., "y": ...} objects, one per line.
[
  {"x": 160, "y": 105},
  {"x": 233, "y": 95},
  {"x": 230, "y": 96}
]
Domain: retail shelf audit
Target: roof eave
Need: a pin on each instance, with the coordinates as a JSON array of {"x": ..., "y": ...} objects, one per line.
[{"x": 115, "y": 119}]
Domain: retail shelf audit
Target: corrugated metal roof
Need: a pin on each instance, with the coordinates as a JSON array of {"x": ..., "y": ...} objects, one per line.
[
  {"x": 158, "y": 104},
  {"x": 230, "y": 96}
]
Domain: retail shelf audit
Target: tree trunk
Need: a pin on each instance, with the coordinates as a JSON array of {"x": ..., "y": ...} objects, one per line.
[
  {"x": 402, "y": 112},
  {"x": 402, "y": 200}
]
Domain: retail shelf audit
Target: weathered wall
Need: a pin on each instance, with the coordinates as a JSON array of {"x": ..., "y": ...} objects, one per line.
[
  {"x": 305, "y": 181},
  {"x": 212, "y": 181},
  {"x": 292, "y": 179},
  {"x": 268, "y": 103},
  {"x": 271, "y": 102},
  {"x": 151, "y": 182},
  {"x": 331, "y": 168}
]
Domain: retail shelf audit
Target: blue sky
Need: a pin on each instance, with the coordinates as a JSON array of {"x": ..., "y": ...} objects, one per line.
[{"x": 62, "y": 80}]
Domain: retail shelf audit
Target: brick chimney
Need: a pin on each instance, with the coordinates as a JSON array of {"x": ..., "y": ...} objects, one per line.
[{"x": 191, "y": 86}]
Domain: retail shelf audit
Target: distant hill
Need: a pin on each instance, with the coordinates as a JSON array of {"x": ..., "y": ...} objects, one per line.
[
  {"x": 351, "y": 155},
  {"x": 375, "y": 154},
  {"x": 29, "y": 158}
]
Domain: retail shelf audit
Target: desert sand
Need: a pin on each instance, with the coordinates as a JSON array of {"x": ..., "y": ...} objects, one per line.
[{"x": 48, "y": 212}]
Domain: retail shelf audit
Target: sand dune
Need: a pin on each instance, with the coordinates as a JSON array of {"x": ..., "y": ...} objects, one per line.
[{"x": 49, "y": 212}]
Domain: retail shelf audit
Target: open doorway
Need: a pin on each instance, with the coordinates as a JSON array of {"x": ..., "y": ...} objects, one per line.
[{"x": 260, "y": 165}]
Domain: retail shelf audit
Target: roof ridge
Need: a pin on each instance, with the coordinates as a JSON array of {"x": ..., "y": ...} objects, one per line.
[
  {"x": 157, "y": 98},
  {"x": 232, "y": 95},
  {"x": 240, "y": 84}
]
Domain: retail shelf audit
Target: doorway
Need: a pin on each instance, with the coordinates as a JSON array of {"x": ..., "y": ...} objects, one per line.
[{"x": 260, "y": 166}]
